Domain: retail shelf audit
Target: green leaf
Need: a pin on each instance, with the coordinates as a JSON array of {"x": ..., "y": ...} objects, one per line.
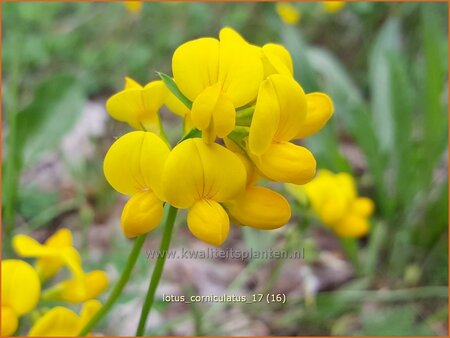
[
  {"x": 172, "y": 86},
  {"x": 387, "y": 41},
  {"x": 41, "y": 125}
]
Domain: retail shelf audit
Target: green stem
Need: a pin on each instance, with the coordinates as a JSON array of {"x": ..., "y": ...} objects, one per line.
[
  {"x": 157, "y": 272},
  {"x": 139, "y": 242},
  {"x": 350, "y": 247}
]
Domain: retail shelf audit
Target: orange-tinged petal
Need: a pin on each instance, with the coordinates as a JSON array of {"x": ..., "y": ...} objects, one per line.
[
  {"x": 195, "y": 66},
  {"x": 21, "y": 287},
  {"x": 277, "y": 60},
  {"x": 287, "y": 162},
  {"x": 195, "y": 170},
  {"x": 352, "y": 226},
  {"x": 208, "y": 221},
  {"x": 135, "y": 162},
  {"x": 57, "y": 322},
  {"x": 10, "y": 322},
  {"x": 142, "y": 213},
  {"x": 265, "y": 119},
  {"x": 319, "y": 111},
  {"x": 260, "y": 208}
]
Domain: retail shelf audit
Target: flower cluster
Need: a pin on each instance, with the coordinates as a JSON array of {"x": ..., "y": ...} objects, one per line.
[
  {"x": 334, "y": 199},
  {"x": 22, "y": 286},
  {"x": 245, "y": 103}
]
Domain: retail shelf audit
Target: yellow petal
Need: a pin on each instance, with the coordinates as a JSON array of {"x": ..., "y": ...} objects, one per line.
[
  {"x": 58, "y": 322},
  {"x": 21, "y": 287},
  {"x": 135, "y": 162},
  {"x": 265, "y": 119},
  {"x": 204, "y": 105},
  {"x": 240, "y": 68},
  {"x": 346, "y": 184},
  {"x": 10, "y": 322},
  {"x": 138, "y": 106},
  {"x": 195, "y": 170},
  {"x": 48, "y": 267},
  {"x": 288, "y": 13},
  {"x": 352, "y": 226},
  {"x": 208, "y": 221},
  {"x": 287, "y": 162},
  {"x": 292, "y": 102},
  {"x": 332, "y": 7},
  {"x": 131, "y": 84},
  {"x": 333, "y": 210},
  {"x": 25, "y": 246},
  {"x": 260, "y": 208},
  {"x": 133, "y": 6},
  {"x": 89, "y": 309},
  {"x": 363, "y": 206},
  {"x": 93, "y": 284},
  {"x": 195, "y": 66},
  {"x": 142, "y": 213},
  {"x": 320, "y": 109},
  {"x": 277, "y": 60}
]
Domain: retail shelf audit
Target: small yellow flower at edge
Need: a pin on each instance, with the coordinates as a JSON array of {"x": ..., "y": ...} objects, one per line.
[
  {"x": 62, "y": 322},
  {"x": 332, "y": 7},
  {"x": 21, "y": 290},
  {"x": 288, "y": 13},
  {"x": 134, "y": 7}
]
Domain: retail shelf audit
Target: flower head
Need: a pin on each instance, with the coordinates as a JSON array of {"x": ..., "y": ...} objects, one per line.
[
  {"x": 334, "y": 199},
  {"x": 332, "y": 7},
  {"x": 218, "y": 76},
  {"x": 199, "y": 176},
  {"x": 21, "y": 289},
  {"x": 133, "y": 166}
]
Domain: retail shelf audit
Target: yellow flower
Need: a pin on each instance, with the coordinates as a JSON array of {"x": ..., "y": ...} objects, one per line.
[
  {"x": 258, "y": 207},
  {"x": 334, "y": 199},
  {"x": 21, "y": 290},
  {"x": 276, "y": 60},
  {"x": 283, "y": 113},
  {"x": 52, "y": 255},
  {"x": 133, "y": 166},
  {"x": 199, "y": 176},
  {"x": 62, "y": 322},
  {"x": 218, "y": 77},
  {"x": 288, "y": 13},
  {"x": 138, "y": 106},
  {"x": 332, "y": 7},
  {"x": 133, "y": 6}
]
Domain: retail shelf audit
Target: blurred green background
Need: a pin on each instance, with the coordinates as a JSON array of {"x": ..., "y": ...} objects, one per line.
[{"x": 385, "y": 67}]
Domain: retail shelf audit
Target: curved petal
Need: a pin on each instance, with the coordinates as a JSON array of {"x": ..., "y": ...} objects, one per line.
[
  {"x": 89, "y": 309},
  {"x": 131, "y": 84},
  {"x": 288, "y": 13},
  {"x": 126, "y": 106},
  {"x": 260, "y": 208},
  {"x": 287, "y": 162},
  {"x": 319, "y": 111},
  {"x": 292, "y": 101},
  {"x": 142, "y": 213},
  {"x": 208, "y": 221},
  {"x": 352, "y": 226},
  {"x": 25, "y": 246},
  {"x": 58, "y": 322},
  {"x": 195, "y": 170},
  {"x": 363, "y": 206},
  {"x": 135, "y": 162},
  {"x": 204, "y": 105},
  {"x": 10, "y": 322},
  {"x": 277, "y": 60},
  {"x": 21, "y": 287},
  {"x": 195, "y": 66},
  {"x": 76, "y": 291},
  {"x": 175, "y": 105},
  {"x": 240, "y": 68},
  {"x": 265, "y": 119}
]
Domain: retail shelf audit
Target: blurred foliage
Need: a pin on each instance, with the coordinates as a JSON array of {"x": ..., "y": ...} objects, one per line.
[{"x": 384, "y": 65}]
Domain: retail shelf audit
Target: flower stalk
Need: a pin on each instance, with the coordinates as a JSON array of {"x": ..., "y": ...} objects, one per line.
[{"x": 157, "y": 272}]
